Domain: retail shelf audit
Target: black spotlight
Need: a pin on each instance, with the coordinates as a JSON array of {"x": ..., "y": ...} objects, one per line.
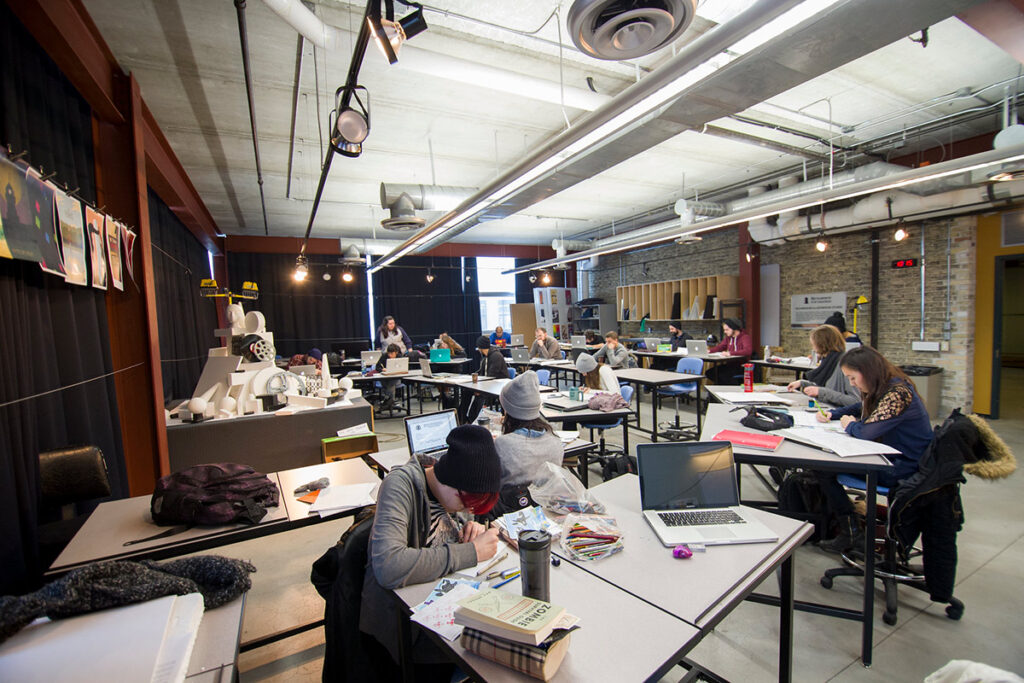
[
  {"x": 390, "y": 34},
  {"x": 352, "y": 124}
]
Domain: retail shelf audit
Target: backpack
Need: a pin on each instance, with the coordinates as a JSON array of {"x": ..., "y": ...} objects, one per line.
[
  {"x": 222, "y": 493},
  {"x": 800, "y": 497}
]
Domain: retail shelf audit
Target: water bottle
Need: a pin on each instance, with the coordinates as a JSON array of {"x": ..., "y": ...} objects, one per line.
[
  {"x": 748, "y": 377},
  {"x": 535, "y": 564},
  {"x": 767, "y": 352}
]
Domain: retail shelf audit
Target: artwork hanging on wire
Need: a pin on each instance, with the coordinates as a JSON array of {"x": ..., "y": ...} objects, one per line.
[
  {"x": 72, "y": 238},
  {"x": 113, "y": 232},
  {"x": 97, "y": 250},
  {"x": 19, "y": 235},
  {"x": 128, "y": 238},
  {"x": 40, "y": 205}
]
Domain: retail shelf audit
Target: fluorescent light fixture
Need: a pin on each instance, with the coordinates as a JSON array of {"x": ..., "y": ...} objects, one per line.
[{"x": 911, "y": 176}]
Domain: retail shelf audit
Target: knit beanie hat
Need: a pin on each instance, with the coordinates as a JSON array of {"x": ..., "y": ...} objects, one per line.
[
  {"x": 471, "y": 463},
  {"x": 521, "y": 397},
  {"x": 483, "y": 343},
  {"x": 586, "y": 363},
  {"x": 316, "y": 353},
  {"x": 837, "y": 321}
]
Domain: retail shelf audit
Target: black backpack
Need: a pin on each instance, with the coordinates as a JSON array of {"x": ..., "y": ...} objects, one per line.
[
  {"x": 800, "y": 497},
  {"x": 222, "y": 493}
]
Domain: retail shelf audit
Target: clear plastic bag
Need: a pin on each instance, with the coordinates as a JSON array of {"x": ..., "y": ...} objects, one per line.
[
  {"x": 562, "y": 493},
  {"x": 590, "y": 537}
]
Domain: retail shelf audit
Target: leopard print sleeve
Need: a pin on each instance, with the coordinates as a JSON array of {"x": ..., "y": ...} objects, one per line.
[{"x": 896, "y": 400}]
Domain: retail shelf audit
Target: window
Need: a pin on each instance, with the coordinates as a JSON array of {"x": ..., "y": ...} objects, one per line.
[{"x": 497, "y": 291}]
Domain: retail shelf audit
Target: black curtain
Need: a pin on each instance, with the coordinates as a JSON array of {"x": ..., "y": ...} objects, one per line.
[
  {"x": 55, "y": 383},
  {"x": 186, "y": 320},
  {"x": 317, "y": 313},
  {"x": 524, "y": 288},
  {"x": 425, "y": 310}
]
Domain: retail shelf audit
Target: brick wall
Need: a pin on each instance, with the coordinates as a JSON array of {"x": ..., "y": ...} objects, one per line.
[{"x": 716, "y": 254}]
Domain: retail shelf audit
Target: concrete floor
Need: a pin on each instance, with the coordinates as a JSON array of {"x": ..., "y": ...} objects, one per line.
[{"x": 744, "y": 647}]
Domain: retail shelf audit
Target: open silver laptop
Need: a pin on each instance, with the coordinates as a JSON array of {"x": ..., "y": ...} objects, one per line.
[
  {"x": 518, "y": 340},
  {"x": 696, "y": 346},
  {"x": 520, "y": 356},
  {"x": 578, "y": 341},
  {"x": 651, "y": 343},
  {"x": 428, "y": 433},
  {"x": 427, "y": 372},
  {"x": 688, "y": 494},
  {"x": 396, "y": 366},
  {"x": 369, "y": 359}
]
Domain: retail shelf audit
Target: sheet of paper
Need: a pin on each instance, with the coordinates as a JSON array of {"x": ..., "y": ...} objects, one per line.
[
  {"x": 841, "y": 444},
  {"x": 334, "y": 498},
  {"x": 753, "y": 397},
  {"x": 511, "y": 556},
  {"x": 356, "y": 430},
  {"x": 438, "y": 613},
  {"x": 567, "y": 437}
]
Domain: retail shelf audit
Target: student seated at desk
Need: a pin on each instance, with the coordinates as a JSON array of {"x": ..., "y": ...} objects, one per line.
[
  {"x": 735, "y": 343},
  {"x": 676, "y": 336},
  {"x": 613, "y": 353},
  {"x": 388, "y": 385},
  {"x": 544, "y": 347},
  {"x": 500, "y": 337},
  {"x": 492, "y": 366},
  {"x": 419, "y": 534},
  {"x": 827, "y": 382},
  {"x": 446, "y": 342},
  {"x": 890, "y": 412},
  {"x": 592, "y": 338},
  {"x": 527, "y": 441},
  {"x": 837, "y": 321},
  {"x": 595, "y": 376}
]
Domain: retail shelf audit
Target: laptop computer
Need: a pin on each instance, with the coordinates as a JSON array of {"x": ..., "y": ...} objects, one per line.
[
  {"x": 564, "y": 404},
  {"x": 520, "y": 356},
  {"x": 307, "y": 370},
  {"x": 368, "y": 359},
  {"x": 688, "y": 494},
  {"x": 440, "y": 355},
  {"x": 427, "y": 434},
  {"x": 518, "y": 340},
  {"x": 578, "y": 341},
  {"x": 396, "y": 366},
  {"x": 696, "y": 346},
  {"x": 651, "y": 343},
  {"x": 428, "y": 373}
]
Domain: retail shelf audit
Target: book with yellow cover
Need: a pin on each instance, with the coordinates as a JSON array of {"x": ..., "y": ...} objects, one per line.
[{"x": 509, "y": 615}]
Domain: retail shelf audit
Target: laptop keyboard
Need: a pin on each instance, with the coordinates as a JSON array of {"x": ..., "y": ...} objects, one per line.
[{"x": 700, "y": 518}]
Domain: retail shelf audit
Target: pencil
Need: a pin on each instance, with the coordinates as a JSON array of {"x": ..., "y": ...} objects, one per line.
[
  {"x": 492, "y": 563},
  {"x": 502, "y": 583}
]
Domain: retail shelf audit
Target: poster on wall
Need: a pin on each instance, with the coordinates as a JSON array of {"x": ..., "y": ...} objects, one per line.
[
  {"x": 113, "y": 233},
  {"x": 97, "y": 251},
  {"x": 128, "y": 238},
  {"x": 811, "y": 310},
  {"x": 19, "y": 235},
  {"x": 72, "y": 238},
  {"x": 40, "y": 205}
]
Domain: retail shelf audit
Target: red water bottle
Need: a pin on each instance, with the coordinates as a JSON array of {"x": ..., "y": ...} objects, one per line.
[{"x": 748, "y": 377}]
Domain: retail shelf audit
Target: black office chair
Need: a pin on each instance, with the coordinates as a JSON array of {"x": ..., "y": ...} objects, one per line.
[{"x": 67, "y": 476}]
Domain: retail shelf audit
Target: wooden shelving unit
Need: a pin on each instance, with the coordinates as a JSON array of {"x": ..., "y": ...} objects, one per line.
[{"x": 657, "y": 298}]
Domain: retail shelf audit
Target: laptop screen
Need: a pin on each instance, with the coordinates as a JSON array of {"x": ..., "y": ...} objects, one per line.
[
  {"x": 681, "y": 475},
  {"x": 429, "y": 432}
]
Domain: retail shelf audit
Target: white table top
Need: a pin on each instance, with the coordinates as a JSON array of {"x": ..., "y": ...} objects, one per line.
[
  {"x": 723, "y": 392},
  {"x": 217, "y": 643},
  {"x": 695, "y": 590},
  {"x": 654, "y": 377},
  {"x": 552, "y": 415},
  {"x": 601, "y": 649},
  {"x": 340, "y": 473}
]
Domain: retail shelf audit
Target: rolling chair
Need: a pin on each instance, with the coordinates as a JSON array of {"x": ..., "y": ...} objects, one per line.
[
  {"x": 67, "y": 476},
  {"x": 604, "y": 455},
  {"x": 511, "y": 373},
  {"x": 544, "y": 376},
  {"x": 677, "y": 431}
]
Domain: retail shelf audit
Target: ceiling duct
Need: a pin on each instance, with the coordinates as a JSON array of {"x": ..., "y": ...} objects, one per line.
[
  {"x": 404, "y": 200},
  {"x": 562, "y": 248},
  {"x": 627, "y": 29},
  {"x": 350, "y": 255}
]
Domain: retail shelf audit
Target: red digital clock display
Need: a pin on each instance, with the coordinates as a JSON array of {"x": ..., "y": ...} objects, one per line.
[{"x": 905, "y": 263}]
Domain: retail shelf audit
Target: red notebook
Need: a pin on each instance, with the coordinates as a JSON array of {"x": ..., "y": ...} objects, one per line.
[{"x": 764, "y": 442}]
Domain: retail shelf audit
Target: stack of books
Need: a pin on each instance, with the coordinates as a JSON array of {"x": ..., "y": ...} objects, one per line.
[{"x": 530, "y": 636}]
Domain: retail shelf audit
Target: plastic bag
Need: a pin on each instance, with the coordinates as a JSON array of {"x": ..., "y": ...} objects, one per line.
[
  {"x": 590, "y": 537},
  {"x": 557, "y": 490}
]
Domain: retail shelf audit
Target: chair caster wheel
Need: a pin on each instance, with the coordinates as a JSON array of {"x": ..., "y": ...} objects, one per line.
[
  {"x": 955, "y": 610},
  {"x": 889, "y": 618},
  {"x": 826, "y": 582}
]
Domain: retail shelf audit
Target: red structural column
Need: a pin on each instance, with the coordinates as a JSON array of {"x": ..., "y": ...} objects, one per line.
[{"x": 750, "y": 283}]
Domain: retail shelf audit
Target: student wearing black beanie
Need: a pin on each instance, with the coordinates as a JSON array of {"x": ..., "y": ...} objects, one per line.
[
  {"x": 492, "y": 366},
  {"x": 421, "y": 531}
]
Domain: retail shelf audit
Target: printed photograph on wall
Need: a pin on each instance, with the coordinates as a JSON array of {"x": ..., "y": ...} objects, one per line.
[
  {"x": 40, "y": 206},
  {"x": 128, "y": 239},
  {"x": 97, "y": 251},
  {"x": 72, "y": 238},
  {"x": 113, "y": 231},
  {"x": 19, "y": 235}
]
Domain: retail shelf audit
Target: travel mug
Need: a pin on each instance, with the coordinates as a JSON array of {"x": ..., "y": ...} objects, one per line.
[
  {"x": 748, "y": 377},
  {"x": 535, "y": 564}
]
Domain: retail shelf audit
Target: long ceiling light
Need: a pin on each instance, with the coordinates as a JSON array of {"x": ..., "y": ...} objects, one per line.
[
  {"x": 672, "y": 229},
  {"x": 757, "y": 25}
]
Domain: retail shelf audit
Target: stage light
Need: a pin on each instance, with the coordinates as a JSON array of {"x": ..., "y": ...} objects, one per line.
[
  {"x": 326, "y": 276},
  {"x": 900, "y": 234},
  {"x": 533, "y": 278},
  {"x": 430, "y": 276},
  {"x": 301, "y": 268},
  {"x": 390, "y": 34},
  {"x": 821, "y": 245},
  {"x": 352, "y": 125},
  {"x": 545, "y": 279},
  {"x": 347, "y": 276}
]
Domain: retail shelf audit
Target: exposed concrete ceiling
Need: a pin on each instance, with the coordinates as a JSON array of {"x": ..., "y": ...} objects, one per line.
[{"x": 437, "y": 127}]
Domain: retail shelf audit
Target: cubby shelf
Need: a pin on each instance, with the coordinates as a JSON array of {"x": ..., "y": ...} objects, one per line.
[{"x": 658, "y": 298}]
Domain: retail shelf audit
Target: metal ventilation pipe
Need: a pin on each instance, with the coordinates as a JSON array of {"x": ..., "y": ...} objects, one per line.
[
  {"x": 361, "y": 247},
  {"x": 562, "y": 247},
  {"x": 424, "y": 197}
]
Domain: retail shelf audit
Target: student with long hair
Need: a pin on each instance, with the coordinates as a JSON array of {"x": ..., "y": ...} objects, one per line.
[
  {"x": 448, "y": 343},
  {"x": 390, "y": 333},
  {"x": 891, "y": 412},
  {"x": 596, "y": 376},
  {"x": 827, "y": 382}
]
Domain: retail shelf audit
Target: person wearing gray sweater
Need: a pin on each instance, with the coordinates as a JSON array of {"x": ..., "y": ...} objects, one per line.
[
  {"x": 527, "y": 440},
  {"x": 827, "y": 383},
  {"x": 614, "y": 354},
  {"x": 544, "y": 346},
  {"x": 418, "y": 535}
]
